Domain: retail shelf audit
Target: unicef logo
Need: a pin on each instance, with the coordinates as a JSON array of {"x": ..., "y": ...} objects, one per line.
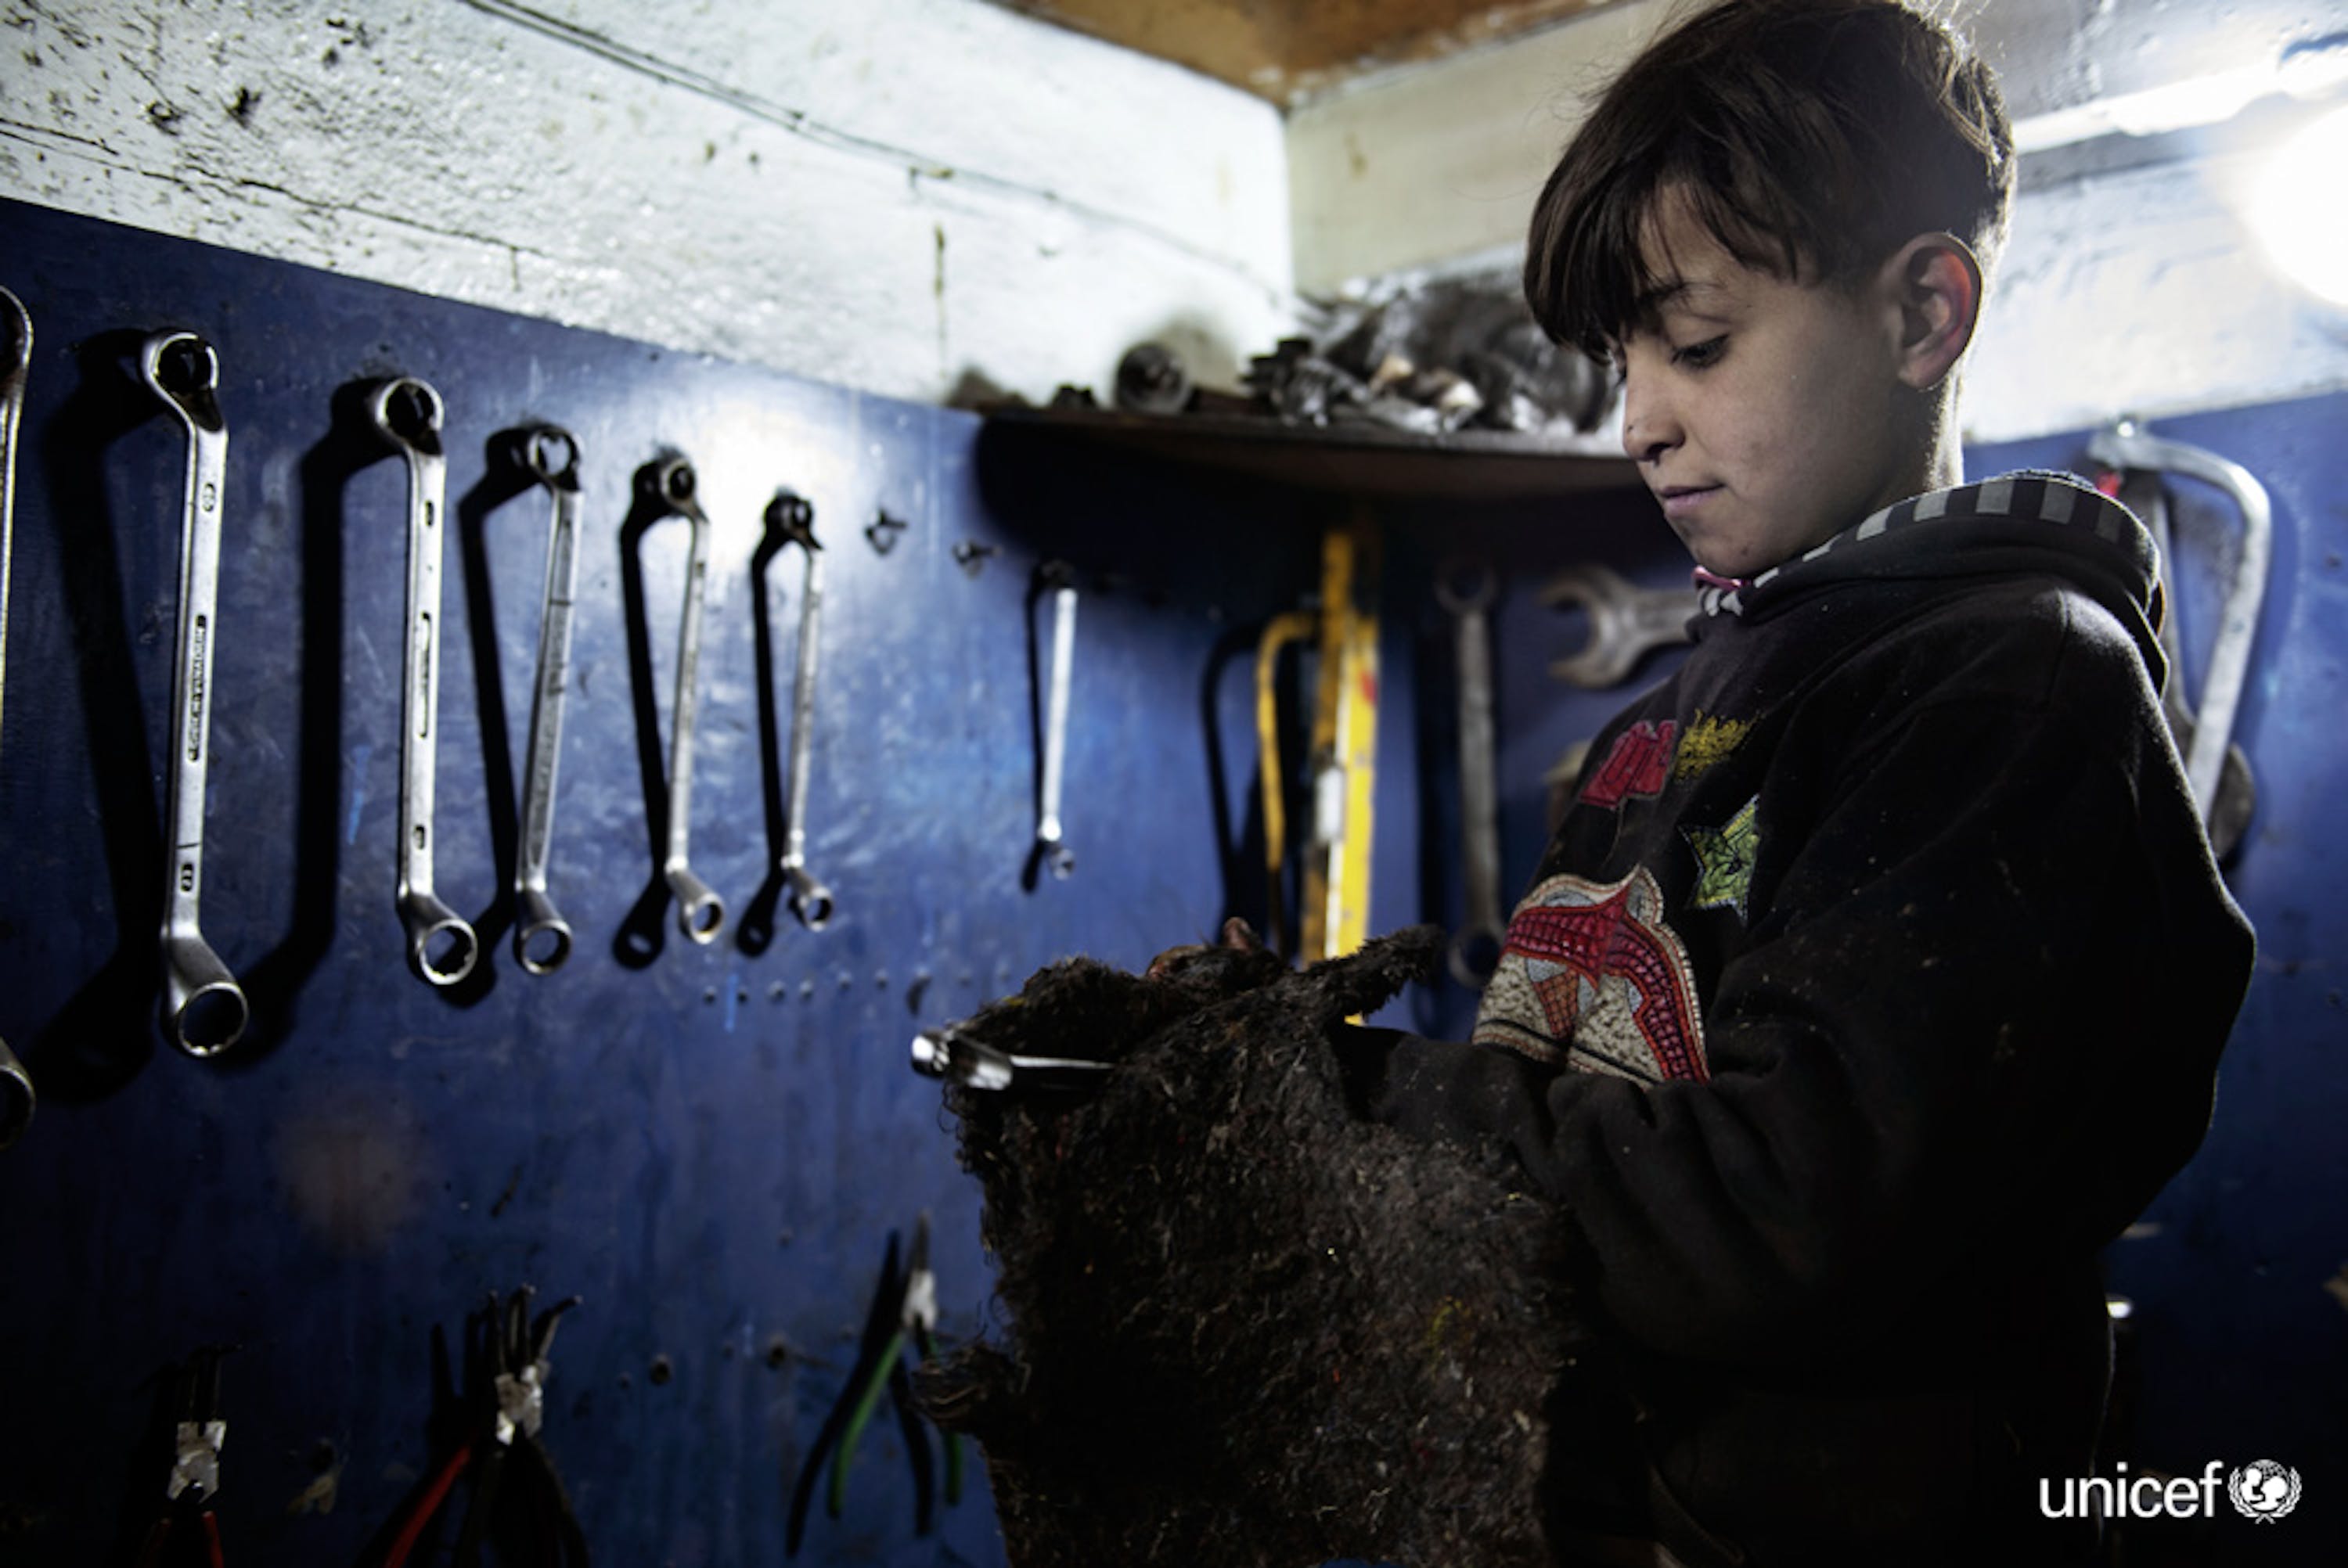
[{"x": 2263, "y": 1490}]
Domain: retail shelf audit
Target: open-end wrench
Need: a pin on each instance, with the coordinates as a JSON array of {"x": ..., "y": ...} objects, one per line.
[
  {"x": 1049, "y": 848},
  {"x": 17, "y": 1098},
  {"x": 440, "y": 945},
  {"x": 204, "y": 1009},
  {"x": 1625, "y": 622},
  {"x": 700, "y": 913},
  {"x": 542, "y": 939},
  {"x": 2127, "y": 445},
  {"x": 793, "y": 518},
  {"x": 1465, "y": 590}
]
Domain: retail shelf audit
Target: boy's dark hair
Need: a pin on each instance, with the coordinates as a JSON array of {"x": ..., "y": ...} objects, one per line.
[{"x": 1812, "y": 138}]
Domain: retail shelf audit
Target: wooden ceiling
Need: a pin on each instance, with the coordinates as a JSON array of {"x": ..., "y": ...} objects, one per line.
[{"x": 1288, "y": 50}]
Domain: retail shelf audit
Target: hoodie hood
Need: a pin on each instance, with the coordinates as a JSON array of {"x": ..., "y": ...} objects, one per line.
[{"x": 2029, "y": 523}]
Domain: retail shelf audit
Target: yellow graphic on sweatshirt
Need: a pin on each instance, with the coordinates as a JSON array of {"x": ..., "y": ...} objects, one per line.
[{"x": 1706, "y": 741}]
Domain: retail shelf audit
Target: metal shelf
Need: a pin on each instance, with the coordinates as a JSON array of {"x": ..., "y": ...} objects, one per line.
[{"x": 1353, "y": 457}]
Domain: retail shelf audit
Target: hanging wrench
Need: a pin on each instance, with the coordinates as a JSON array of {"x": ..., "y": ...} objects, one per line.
[
  {"x": 551, "y": 455},
  {"x": 440, "y": 945},
  {"x": 1057, "y": 577},
  {"x": 203, "y": 1007},
  {"x": 16, "y": 1100},
  {"x": 1465, "y": 590},
  {"x": 700, "y": 913},
  {"x": 2127, "y": 445},
  {"x": 1625, "y": 622},
  {"x": 793, "y": 518}
]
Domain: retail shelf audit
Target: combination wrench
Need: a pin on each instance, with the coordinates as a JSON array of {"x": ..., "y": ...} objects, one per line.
[
  {"x": 407, "y": 415},
  {"x": 204, "y": 1009},
  {"x": 1050, "y": 850},
  {"x": 700, "y": 913},
  {"x": 793, "y": 519},
  {"x": 1465, "y": 590},
  {"x": 541, "y": 938},
  {"x": 1625, "y": 622},
  {"x": 17, "y": 1098}
]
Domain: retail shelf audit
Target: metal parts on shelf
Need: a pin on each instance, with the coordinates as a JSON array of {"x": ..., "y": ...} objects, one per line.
[
  {"x": 440, "y": 945},
  {"x": 700, "y": 913},
  {"x": 204, "y": 1009},
  {"x": 793, "y": 521},
  {"x": 541, "y": 938}
]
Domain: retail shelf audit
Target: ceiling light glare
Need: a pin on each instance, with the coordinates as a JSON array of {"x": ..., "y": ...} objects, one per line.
[{"x": 2297, "y": 210}]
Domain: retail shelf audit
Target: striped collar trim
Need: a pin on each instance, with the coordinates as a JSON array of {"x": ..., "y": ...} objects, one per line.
[{"x": 2031, "y": 495}]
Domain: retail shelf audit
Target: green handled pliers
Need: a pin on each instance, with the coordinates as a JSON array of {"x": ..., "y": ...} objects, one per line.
[{"x": 904, "y": 1307}]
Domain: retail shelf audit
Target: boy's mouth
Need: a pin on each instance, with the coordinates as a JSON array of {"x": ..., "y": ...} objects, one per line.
[{"x": 1679, "y": 500}]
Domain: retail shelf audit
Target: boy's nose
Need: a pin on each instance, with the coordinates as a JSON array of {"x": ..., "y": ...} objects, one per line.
[{"x": 1650, "y": 428}]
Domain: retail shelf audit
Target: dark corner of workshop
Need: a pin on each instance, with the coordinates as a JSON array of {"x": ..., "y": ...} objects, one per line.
[{"x": 1173, "y": 782}]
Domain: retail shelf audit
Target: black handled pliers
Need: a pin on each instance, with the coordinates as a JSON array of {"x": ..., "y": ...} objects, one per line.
[
  {"x": 508, "y": 1405},
  {"x": 905, "y": 1309}
]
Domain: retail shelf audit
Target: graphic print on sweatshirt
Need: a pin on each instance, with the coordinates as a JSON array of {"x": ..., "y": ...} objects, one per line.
[
  {"x": 1638, "y": 765},
  {"x": 1592, "y": 976}
]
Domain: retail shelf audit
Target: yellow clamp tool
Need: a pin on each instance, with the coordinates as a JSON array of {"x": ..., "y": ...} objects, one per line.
[{"x": 1335, "y": 912}]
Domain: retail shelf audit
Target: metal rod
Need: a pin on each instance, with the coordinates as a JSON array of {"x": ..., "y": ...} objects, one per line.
[
  {"x": 1048, "y": 829},
  {"x": 16, "y": 1097}
]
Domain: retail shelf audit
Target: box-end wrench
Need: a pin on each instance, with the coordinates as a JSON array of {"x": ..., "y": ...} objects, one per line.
[
  {"x": 204, "y": 1009},
  {"x": 441, "y": 944},
  {"x": 700, "y": 913},
  {"x": 793, "y": 519},
  {"x": 542, "y": 939},
  {"x": 17, "y": 1098},
  {"x": 1625, "y": 622},
  {"x": 2126, "y": 445},
  {"x": 1057, "y": 577},
  {"x": 1465, "y": 590}
]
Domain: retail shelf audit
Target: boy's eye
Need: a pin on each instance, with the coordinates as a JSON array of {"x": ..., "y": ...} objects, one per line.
[{"x": 1697, "y": 356}]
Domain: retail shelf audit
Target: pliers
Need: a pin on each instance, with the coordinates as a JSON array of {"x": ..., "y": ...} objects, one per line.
[
  {"x": 197, "y": 1435},
  {"x": 510, "y": 1368},
  {"x": 904, "y": 1307}
]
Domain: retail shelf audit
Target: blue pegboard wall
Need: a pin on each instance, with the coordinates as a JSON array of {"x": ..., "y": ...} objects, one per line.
[{"x": 709, "y": 1145}]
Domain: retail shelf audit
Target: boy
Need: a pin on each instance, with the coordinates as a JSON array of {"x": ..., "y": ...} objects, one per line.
[{"x": 1878, "y": 974}]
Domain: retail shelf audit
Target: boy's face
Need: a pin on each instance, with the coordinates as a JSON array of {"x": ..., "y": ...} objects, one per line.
[{"x": 1764, "y": 414}]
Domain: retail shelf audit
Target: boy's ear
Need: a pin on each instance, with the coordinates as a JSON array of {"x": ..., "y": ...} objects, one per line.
[{"x": 1936, "y": 281}]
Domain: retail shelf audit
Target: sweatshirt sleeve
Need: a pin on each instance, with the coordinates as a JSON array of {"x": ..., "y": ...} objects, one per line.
[{"x": 1977, "y": 1024}]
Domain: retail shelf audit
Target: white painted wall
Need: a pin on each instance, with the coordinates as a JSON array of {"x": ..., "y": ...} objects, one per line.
[
  {"x": 892, "y": 195},
  {"x": 2142, "y": 291}
]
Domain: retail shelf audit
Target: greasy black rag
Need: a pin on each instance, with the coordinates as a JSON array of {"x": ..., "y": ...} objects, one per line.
[{"x": 1246, "y": 1327}]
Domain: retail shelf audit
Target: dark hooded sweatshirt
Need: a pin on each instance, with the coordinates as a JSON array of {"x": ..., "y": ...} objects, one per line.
[{"x": 1875, "y": 978}]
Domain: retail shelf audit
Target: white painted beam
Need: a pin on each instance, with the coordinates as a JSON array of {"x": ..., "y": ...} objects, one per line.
[{"x": 878, "y": 195}]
